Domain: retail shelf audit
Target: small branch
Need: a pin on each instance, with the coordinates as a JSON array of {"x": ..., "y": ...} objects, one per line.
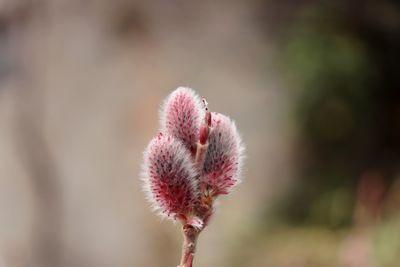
[{"x": 190, "y": 235}]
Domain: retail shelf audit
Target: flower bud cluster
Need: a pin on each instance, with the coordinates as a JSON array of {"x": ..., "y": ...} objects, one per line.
[{"x": 196, "y": 157}]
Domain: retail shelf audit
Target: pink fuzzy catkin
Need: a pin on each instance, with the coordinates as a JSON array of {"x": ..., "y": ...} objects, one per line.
[
  {"x": 224, "y": 155},
  {"x": 181, "y": 116},
  {"x": 170, "y": 177},
  {"x": 196, "y": 157}
]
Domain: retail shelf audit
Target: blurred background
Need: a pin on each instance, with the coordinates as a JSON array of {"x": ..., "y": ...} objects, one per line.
[{"x": 314, "y": 88}]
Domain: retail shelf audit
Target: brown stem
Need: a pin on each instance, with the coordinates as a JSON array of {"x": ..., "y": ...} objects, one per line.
[{"x": 190, "y": 235}]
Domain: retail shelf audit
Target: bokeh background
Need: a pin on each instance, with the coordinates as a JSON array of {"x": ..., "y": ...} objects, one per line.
[{"x": 314, "y": 87}]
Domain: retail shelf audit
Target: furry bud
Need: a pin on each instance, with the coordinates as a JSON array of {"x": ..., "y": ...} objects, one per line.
[
  {"x": 181, "y": 116},
  {"x": 170, "y": 177},
  {"x": 224, "y": 155}
]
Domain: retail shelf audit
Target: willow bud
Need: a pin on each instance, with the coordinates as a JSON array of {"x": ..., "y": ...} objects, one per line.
[
  {"x": 181, "y": 116},
  {"x": 224, "y": 155},
  {"x": 169, "y": 177}
]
